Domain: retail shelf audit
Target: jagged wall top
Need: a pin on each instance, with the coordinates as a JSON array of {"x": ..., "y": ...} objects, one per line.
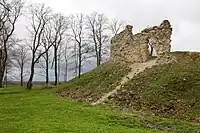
[{"x": 135, "y": 48}]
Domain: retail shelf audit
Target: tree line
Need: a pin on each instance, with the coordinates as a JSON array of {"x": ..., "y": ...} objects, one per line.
[{"x": 53, "y": 40}]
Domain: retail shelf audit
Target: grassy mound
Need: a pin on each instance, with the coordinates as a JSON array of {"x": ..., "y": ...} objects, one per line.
[
  {"x": 171, "y": 90},
  {"x": 92, "y": 85}
]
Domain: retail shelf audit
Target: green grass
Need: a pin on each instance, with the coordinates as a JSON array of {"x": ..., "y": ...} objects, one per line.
[{"x": 41, "y": 111}]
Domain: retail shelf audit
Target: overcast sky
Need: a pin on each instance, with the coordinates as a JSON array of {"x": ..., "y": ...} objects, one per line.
[{"x": 184, "y": 15}]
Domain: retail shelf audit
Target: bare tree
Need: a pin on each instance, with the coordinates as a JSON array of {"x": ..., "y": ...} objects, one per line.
[
  {"x": 9, "y": 14},
  {"x": 60, "y": 26},
  {"x": 60, "y": 59},
  {"x": 97, "y": 24},
  {"x": 47, "y": 41},
  {"x": 20, "y": 57},
  {"x": 77, "y": 27},
  {"x": 10, "y": 48},
  {"x": 75, "y": 59},
  {"x": 67, "y": 57},
  {"x": 40, "y": 17},
  {"x": 116, "y": 26}
]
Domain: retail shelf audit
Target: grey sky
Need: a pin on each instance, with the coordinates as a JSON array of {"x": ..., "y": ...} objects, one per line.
[{"x": 184, "y": 15}]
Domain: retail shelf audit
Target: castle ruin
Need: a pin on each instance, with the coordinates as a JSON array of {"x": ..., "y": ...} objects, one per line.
[{"x": 135, "y": 48}]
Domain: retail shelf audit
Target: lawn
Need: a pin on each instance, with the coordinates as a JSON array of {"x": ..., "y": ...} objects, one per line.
[{"x": 41, "y": 111}]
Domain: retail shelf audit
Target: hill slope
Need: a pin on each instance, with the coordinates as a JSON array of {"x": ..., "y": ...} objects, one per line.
[
  {"x": 96, "y": 83},
  {"x": 135, "y": 69},
  {"x": 169, "y": 90}
]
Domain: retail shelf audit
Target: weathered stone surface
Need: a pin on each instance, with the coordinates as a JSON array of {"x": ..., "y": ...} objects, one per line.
[{"x": 135, "y": 48}]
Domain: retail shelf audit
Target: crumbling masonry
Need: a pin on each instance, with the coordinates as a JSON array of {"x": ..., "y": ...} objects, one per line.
[{"x": 135, "y": 48}]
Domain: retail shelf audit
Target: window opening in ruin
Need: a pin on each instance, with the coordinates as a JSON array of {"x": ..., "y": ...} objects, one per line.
[{"x": 152, "y": 51}]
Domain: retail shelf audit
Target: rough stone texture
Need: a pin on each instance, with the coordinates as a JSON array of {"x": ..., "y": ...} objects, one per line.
[{"x": 135, "y": 48}]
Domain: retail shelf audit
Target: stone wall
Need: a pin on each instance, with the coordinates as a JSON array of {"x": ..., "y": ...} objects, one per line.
[{"x": 135, "y": 48}]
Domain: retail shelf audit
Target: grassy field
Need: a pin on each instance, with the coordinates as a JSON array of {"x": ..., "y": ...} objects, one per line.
[{"x": 40, "y": 111}]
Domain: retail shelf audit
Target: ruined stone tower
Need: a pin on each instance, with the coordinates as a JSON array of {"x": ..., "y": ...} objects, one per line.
[{"x": 135, "y": 48}]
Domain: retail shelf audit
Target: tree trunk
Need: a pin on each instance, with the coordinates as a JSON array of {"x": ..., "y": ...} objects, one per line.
[
  {"x": 1, "y": 78},
  {"x": 66, "y": 71},
  {"x": 99, "y": 56},
  {"x": 59, "y": 71},
  {"x": 30, "y": 81},
  {"x": 76, "y": 61},
  {"x": 96, "y": 47},
  {"x": 56, "y": 66},
  {"x": 80, "y": 61},
  {"x": 47, "y": 68},
  {"x": 2, "y": 70},
  {"x": 3, "y": 60},
  {"x": 21, "y": 76},
  {"x": 98, "y": 61},
  {"x": 6, "y": 78}
]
